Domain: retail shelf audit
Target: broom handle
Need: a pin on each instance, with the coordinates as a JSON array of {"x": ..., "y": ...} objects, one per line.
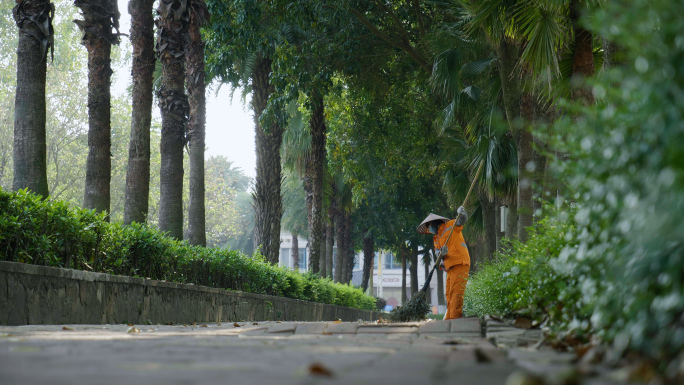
[{"x": 472, "y": 184}]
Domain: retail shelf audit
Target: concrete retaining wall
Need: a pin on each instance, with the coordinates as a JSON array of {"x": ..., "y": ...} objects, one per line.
[{"x": 31, "y": 295}]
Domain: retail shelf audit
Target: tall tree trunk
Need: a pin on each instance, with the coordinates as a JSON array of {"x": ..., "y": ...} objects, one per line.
[
  {"x": 195, "y": 80},
  {"x": 324, "y": 248},
  {"x": 100, "y": 18},
  {"x": 428, "y": 258},
  {"x": 330, "y": 238},
  {"x": 339, "y": 257},
  {"x": 137, "y": 198},
  {"x": 526, "y": 168},
  {"x": 172, "y": 42},
  {"x": 489, "y": 218},
  {"x": 348, "y": 248},
  {"x": 30, "y": 148},
  {"x": 268, "y": 205},
  {"x": 583, "y": 57},
  {"x": 414, "y": 269},
  {"x": 512, "y": 219},
  {"x": 368, "y": 260},
  {"x": 314, "y": 175},
  {"x": 332, "y": 218},
  {"x": 295, "y": 251},
  {"x": 497, "y": 222},
  {"x": 404, "y": 256}
]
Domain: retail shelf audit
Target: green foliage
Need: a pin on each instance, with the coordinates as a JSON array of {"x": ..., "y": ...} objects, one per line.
[
  {"x": 628, "y": 174},
  {"x": 51, "y": 233},
  {"x": 520, "y": 280}
]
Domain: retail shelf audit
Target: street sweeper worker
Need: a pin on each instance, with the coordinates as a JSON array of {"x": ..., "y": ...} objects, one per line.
[{"x": 449, "y": 242}]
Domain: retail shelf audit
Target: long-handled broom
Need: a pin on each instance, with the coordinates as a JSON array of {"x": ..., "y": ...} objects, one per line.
[{"x": 417, "y": 307}]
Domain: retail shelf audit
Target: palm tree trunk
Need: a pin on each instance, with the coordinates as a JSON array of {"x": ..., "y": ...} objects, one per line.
[
  {"x": 195, "y": 80},
  {"x": 583, "y": 57},
  {"x": 314, "y": 170},
  {"x": 100, "y": 17},
  {"x": 489, "y": 219},
  {"x": 30, "y": 148},
  {"x": 332, "y": 217},
  {"x": 268, "y": 205},
  {"x": 526, "y": 168},
  {"x": 322, "y": 255},
  {"x": 138, "y": 174},
  {"x": 330, "y": 237},
  {"x": 512, "y": 219},
  {"x": 368, "y": 259},
  {"x": 339, "y": 258},
  {"x": 295, "y": 251},
  {"x": 403, "y": 252},
  {"x": 173, "y": 102},
  {"x": 497, "y": 222},
  {"x": 348, "y": 249},
  {"x": 414, "y": 269}
]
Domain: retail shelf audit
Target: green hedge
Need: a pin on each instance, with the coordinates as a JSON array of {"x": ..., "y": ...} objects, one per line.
[
  {"x": 54, "y": 234},
  {"x": 521, "y": 280}
]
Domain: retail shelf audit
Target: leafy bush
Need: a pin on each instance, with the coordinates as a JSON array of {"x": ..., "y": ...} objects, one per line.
[
  {"x": 520, "y": 281},
  {"x": 53, "y": 234},
  {"x": 621, "y": 276}
]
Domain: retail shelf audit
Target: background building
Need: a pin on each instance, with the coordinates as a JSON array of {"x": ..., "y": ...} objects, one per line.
[{"x": 386, "y": 278}]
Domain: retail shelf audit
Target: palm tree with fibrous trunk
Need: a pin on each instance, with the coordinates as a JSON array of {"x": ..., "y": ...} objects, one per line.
[
  {"x": 142, "y": 71},
  {"x": 36, "y": 38},
  {"x": 195, "y": 80},
  {"x": 100, "y": 27},
  {"x": 172, "y": 45}
]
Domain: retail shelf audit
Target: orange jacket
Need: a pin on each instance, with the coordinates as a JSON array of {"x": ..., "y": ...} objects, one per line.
[{"x": 458, "y": 251}]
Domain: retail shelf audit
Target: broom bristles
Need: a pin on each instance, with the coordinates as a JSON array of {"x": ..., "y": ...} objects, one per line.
[{"x": 415, "y": 309}]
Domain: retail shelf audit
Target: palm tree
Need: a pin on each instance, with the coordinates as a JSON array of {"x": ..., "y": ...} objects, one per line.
[
  {"x": 315, "y": 162},
  {"x": 172, "y": 37},
  {"x": 294, "y": 212},
  {"x": 36, "y": 37},
  {"x": 100, "y": 19},
  {"x": 195, "y": 80},
  {"x": 138, "y": 172}
]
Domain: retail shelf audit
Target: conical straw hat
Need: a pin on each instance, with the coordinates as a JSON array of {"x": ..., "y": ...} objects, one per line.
[{"x": 423, "y": 228}]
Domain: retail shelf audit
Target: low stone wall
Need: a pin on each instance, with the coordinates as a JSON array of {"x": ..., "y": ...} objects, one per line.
[{"x": 32, "y": 295}]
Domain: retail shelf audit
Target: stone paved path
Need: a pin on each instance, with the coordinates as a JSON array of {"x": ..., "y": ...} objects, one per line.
[{"x": 436, "y": 352}]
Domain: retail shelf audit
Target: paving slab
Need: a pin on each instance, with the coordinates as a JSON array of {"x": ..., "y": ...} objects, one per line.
[
  {"x": 311, "y": 328},
  {"x": 341, "y": 328},
  {"x": 386, "y": 329},
  {"x": 435, "y": 327},
  {"x": 471, "y": 325},
  {"x": 282, "y": 328}
]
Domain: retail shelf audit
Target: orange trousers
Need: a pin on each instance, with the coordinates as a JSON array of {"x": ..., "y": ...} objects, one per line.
[{"x": 457, "y": 277}]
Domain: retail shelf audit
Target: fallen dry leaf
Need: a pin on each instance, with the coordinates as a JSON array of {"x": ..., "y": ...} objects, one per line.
[
  {"x": 130, "y": 325},
  {"x": 235, "y": 324},
  {"x": 194, "y": 324},
  {"x": 204, "y": 326},
  {"x": 255, "y": 324},
  {"x": 327, "y": 334},
  {"x": 67, "y": 328},
  {"x": 523, "y": 323},
  {"x": 185, "y": 325},
  {"x": 317, "y": 369},
  {"x": 218, "y": 324},
  {"x": 279, "y": 322},
  {"x": 133, "y": 329},
  {"x": 337, "y": 322}
]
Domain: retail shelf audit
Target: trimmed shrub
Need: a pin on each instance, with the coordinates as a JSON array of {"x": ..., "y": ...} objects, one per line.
[{"x": 49, "y": 233}]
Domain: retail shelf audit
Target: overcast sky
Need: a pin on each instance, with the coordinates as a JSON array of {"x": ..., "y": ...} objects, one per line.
[{"x": 230, "y": 126}]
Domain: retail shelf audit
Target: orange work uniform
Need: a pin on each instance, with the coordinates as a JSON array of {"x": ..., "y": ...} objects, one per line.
[{"x": 457, "y": 263}]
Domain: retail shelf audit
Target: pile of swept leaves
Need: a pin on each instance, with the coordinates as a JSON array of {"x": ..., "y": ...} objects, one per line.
[
  {"x": 415, "y": 309},
  {"x": 51, "y": 233}
]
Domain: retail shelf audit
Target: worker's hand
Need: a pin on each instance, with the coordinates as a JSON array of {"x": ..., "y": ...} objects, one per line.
[
  {"x": 462, "y": 216},
  {"x": 441, "y": 265},
  {"x": 443, "y": 251}
]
